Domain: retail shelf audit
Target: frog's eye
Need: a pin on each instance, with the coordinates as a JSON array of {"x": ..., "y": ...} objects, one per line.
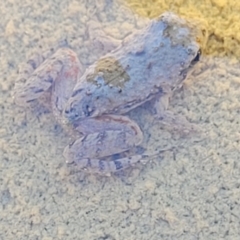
[{"x": 197, "y": 58}]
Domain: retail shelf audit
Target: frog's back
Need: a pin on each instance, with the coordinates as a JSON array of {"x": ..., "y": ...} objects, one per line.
[{"x": 134, "y": 72}]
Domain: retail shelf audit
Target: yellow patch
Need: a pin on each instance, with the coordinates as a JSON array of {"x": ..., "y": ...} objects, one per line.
[
  {"x": 111, "y": 71},
  {"x": 219, "y": 20}
]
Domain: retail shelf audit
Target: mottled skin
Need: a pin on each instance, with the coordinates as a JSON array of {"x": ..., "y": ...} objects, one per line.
[{"x": 148, "y": 65}]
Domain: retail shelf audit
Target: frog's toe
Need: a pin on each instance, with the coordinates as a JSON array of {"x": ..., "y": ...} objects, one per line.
[{"x": 177, "y": 123}]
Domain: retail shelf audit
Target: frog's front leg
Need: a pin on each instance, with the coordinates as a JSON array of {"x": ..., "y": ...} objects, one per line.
[
  {"x": 104, "y": 136},
  {"x": 167, "y": 117},
  {"x": 62, "y": 68}
]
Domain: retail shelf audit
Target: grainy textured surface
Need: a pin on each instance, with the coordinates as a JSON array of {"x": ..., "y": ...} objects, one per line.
[{"x": 189, "y": 193}]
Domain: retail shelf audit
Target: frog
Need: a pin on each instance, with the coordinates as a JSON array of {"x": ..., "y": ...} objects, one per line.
[{"x": 147, "y": 66}]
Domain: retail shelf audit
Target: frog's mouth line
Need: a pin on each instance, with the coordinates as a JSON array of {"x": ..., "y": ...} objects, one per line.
[{"x": 188, "y": 71}]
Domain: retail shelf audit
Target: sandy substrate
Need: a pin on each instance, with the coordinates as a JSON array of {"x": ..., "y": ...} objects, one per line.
[{"x": 191, "y": 192}]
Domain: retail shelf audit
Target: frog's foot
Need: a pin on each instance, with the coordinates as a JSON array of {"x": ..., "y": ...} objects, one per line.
[
  {"x": 178, "y": 123},
  {"x": 62, "y": 65},
  {"x": 118, "y": 135}
]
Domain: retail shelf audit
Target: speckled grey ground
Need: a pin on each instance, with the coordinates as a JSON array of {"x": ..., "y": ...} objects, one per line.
[{"x": 192, "y": 192}]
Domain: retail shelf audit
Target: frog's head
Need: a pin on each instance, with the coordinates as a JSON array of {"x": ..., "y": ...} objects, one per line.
[
  {"x": 180, "y": 45},
  {"x": 189, "y": 67}
]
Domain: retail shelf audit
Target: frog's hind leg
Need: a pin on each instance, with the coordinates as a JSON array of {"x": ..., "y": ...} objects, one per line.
[
  {"x": 107, "y": 135},
  {"x": 65, "y": 81},
  {"x": 24, "y": 72},
  {"x": 41, "y": 78}
]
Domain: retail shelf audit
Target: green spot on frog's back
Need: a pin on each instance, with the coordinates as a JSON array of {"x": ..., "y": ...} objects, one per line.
[{"x": 112, "y": 72}]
